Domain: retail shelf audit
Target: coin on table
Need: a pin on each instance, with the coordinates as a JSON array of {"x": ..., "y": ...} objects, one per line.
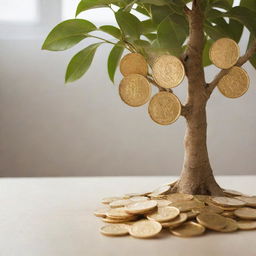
[
  {"x": 133, "y": 63},
  {"x": 119, "y": 203},
  {"x": 161, "y": 190},
  {"x": 179, "y": 197},
  {"x": 108, "y": 200},
  {"x": 246, "y": 224},
  {"x": 185, "y": 206},
  {"x": 227, "y": 201},
  {"x": 112, "y": 220},
  {"x": 235, "y": 83},
  {"x": 164, "y": 214},
  {"x": 114, "y": 230},
  {"x": 135, "y": 90},
  {"x": 212, "y": 221},
  {"x": 118, "y": 213},
  {"x": 232, "y": 192},
  {"x": 210, "y": 209},
  {"x": 229, "y": 214},
  {"x": 168, "y": 71},
  {"x": 139, "y": 198},
  {"x": 141, "y": 207},
  {"x": 231, "y": 226},
  {"x": 188, "y": 229},
  {"x": 249, "y": 200},
  {"x": 164, "y": 108},
  {"x": 192, "y": 214},
  {"x": 224, "y": 53},
  {"x": 162, "y": 202},
  {"x": 175, "y": 222},
  {"x": 145, "y": 229},
  {"x": 101, "y": 212},
  {"x": 246, "y": 213}
]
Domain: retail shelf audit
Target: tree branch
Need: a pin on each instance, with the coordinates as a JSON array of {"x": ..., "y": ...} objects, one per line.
[
  {"x": 248, "y": 54},
  {"x": 152, "y": 81}
]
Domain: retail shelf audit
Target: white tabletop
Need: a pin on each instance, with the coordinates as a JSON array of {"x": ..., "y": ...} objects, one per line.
[{"x": 54, "y": 217}]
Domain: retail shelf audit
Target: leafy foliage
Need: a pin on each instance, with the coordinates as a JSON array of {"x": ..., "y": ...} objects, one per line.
[{"x": 165, "y": 28}]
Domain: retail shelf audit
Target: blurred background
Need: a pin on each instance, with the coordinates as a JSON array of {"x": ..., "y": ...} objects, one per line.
[{"x": 48, "y": 128}]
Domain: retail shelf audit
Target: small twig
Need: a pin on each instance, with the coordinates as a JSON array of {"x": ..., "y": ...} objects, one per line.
[
  {"x": 152, "y": 81},
  {"x": 249, "y": 53}
]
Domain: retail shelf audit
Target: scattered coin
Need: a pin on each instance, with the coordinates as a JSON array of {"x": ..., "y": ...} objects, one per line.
[
  {"x": 108, "y": 200},
  {"x": 192, "y": 214},
  {"x": 188, "y": 229},
  {"x": 133, "y": 63},
  {"x": 111, "y": 220},
  {"x": 179, "y": 197},
  {"x": 235, "y": 83},
  {"x": 101, "y": 212},
  {"x": 118, "y": 213},
  {"x": 164, "y": 108},
  {"x": 164, "y": 214},
  {"x": 224, "y": 53},
  {"x": 161, "y": 190},
  {"x": 231, "y": 226},
  {"x": 229, "y": 214},
  {"x": 227, "y": 201},
  {"x": 114, "y": 230},
  {"x": 232, "y": 192},
  {"x": 139, "y": 198},
  {"x": 246, "y": 224},
  {"x": 185, "y": 206},
  {"x": 212, "y": 221},
  {"x": 168, "y": 71},
  {"x": 145, "y": 229},
  {"x": 141, "y": 207},
  {"x": 162, "y": 202},
  {"x": 246, "y": 213},
  {"x": 209, "y": 209},
  {"x": 249, "y": 200},
  {"x": 135, "y": 90},
  {"x": 175, "y": 222},
  {"x": 119, "y": 203}
]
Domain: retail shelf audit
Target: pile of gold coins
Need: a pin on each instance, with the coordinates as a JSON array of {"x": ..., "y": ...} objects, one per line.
[
  {"x": 168, "y": 72},
  {"x": 146, "y": 215}
]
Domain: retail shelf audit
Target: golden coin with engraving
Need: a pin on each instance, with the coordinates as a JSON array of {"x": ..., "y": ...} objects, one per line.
[
  {"x": 141, "y": 207},
  {"x": 224, "y": 53},
  {"x": 168, "y": 71},
  {"x": 227, "y": 201},
  {"x": 133, "y": 63},
  {"x": 246, "y": 213},
  {"x": 231, "y": 226},
  {"x": 235, "y": 83},
  {"x": 212, "y": 221},
  {"x": 175, "y": 222},
  {"x": 145, "y": 229},
  {"x": 114, "y": 230},
  {"x": 246, "y": 224},
  {"x": 164, "y": 108},
  {"x": 249, "y": 200},
  {"x": 164, "y": 214},
  {"x": 135, "y": 90},
  {"x": 188, "y": 229}
]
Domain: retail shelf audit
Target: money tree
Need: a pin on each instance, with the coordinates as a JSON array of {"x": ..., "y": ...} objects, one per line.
[{"x": 176, "y": 38}]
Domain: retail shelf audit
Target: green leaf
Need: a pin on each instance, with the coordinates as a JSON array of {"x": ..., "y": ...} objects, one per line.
[
  {"x": 147, "y": 26},
  {"x": 245, "y": 16},
  {"x": 85, "y": 5},
  {"x": 67, "y": 34},
  {"x": 129, "y": 24},
  {"x": 159, "y": 13},
  {"x": 224, "y": 4},
  {"x": 80, "y": 63},
  {"x": 151, "y": 36},
  {"x": 143, "y": 10},
  {"x": 113, "y": 60},
  {"x": 236, "y": 29},
  {"x": 154, "y": 2},
  {"x": 250, "y": 4},
  {"x": 111, "y": 30},
  {"x": 206, "y": 59},
  {"x": 253, "y": 58},
  {"x": 170, "y": 36}
]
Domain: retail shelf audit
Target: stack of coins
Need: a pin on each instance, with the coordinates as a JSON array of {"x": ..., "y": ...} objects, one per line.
[
  {"x": 224, "y": 54},
  {"x": 145, "y": 215},
  {"x": 135, "y": 89}
]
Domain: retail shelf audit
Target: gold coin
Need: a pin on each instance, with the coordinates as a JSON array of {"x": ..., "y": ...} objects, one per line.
[
  {"x": 168, "y": 71},
  {"x": 101, "y": 212},
  {"x": 111, "y": 220},
  {"x": 161, "y": 190},
  {"x": 119, "y": 203},
  {"x": 246, "y": 213},
  {"x": 229, "y": 214},
  {"x": 231, "y": 226},
  {"x": 164, "y": 214},
  {"x": 175, "y": 222},
  {"x": 118, "y": 213},
  {"x": 114, "y": 230},
  {"x": 227, "y": 201},
  {"x": 162, "y": 202},
  {"x": 185, "y": 206},
  {"x": 145, "y": 229},
  {"x": 212, "y": 221},
  {"x": 133, "y": 63},
  {"x": 192, "y": 214},
  {"x": 224, "y": 53},
  {"x": 179, "y": 197},
  {"x": 188, "y": 229},
  {"x": 209, "y": 209},
  {"x": 249, "y": 200},
  {"x": 232, "y": 192},
  {"x": 138, "y": 198},
  {"x": 235, "y": 83},
  {"x": 108, "y": 200},
  {"x": 141, "y": 207},
  {"x": 246, "y": 224},
  {"x": 135, "y": 90},
  {"x": 164, "y": 108}
]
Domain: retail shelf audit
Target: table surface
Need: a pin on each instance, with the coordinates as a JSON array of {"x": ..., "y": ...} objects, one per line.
[{"x": 54, "y": 217}]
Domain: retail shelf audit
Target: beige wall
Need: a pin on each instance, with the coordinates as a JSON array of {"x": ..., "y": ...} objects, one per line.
[{"x": 51, "y": 129}]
